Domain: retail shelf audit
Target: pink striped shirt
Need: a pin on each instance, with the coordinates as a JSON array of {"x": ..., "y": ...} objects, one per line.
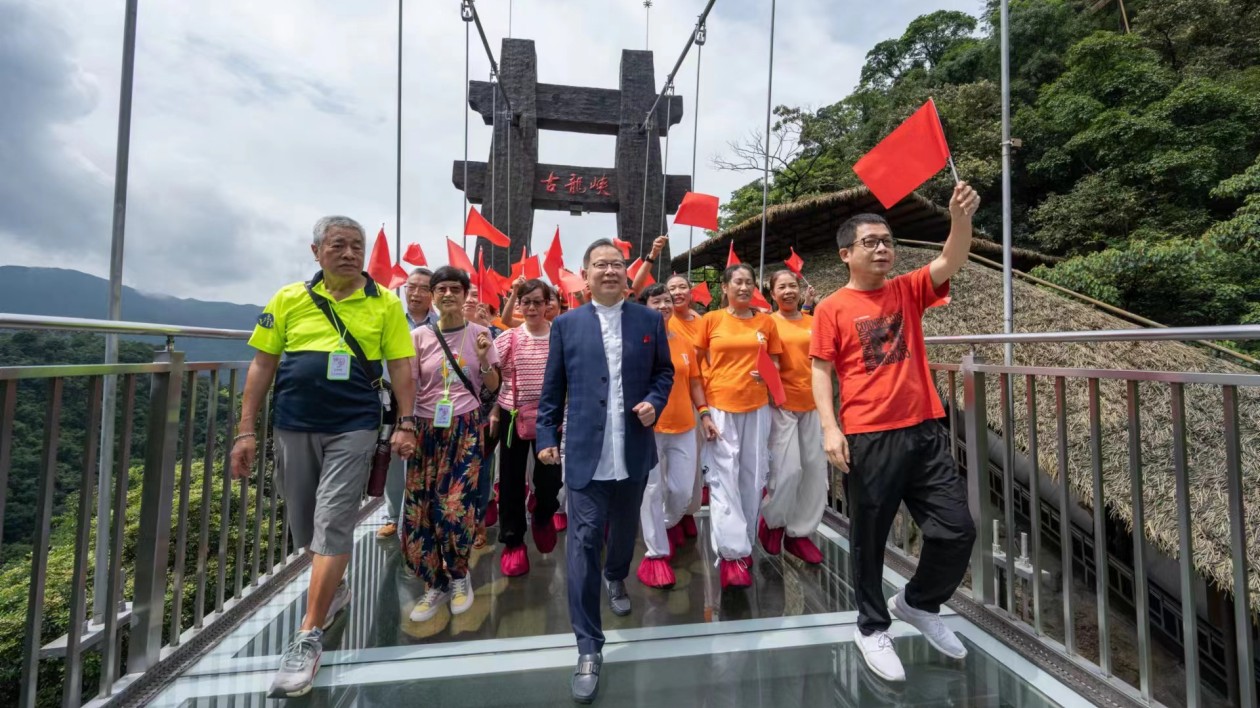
[{"x": 525, "y": 355}]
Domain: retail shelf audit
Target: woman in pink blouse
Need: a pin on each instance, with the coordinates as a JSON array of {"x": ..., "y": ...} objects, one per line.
[
  {"x": 523, "y": 351},
  {"x": 439, "y": 524}
]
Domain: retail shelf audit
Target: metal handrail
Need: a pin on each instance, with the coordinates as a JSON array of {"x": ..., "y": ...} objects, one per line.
[
  {"x": 1137, "y": 334},
  {"x": 83, "y": 324}
]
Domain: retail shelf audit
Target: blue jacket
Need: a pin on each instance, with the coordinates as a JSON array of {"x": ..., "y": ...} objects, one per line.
[{"x": 577, "y": 371}]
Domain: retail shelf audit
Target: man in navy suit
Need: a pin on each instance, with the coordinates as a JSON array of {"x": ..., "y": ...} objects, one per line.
[{"x": 609, "y": 364}]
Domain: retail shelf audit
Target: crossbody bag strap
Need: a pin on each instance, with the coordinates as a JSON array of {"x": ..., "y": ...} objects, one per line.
[
  {"x": 372, "y": 368},
  {"x": 454, "y": 363}
]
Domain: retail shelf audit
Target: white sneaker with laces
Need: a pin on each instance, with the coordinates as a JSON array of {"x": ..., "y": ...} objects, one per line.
[
  {"x": 298, "y": 666},
  {"x": 877, "y": 650},
  {"x": 429, "y": 605},
  {"x": 461, "y": 595},
  {"x": 341, "y": 599},
  {"x": 929, "y": 625}
]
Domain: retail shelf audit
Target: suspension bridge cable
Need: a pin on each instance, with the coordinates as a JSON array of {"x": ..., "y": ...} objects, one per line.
[
  {"x": 701, "y": 35},
  {"x": 669, "y": 80},
  {"x": 765, "y": 180},
  {"x": 494, "y": 65},
  {"x": 647, "y": 155},
  {"x": 398, "y": 148},
  {"x": 465, "y": 12},
  {"x": 665, "y": 172}
]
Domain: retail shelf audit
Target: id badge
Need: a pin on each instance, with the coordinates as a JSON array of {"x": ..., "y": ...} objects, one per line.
[
  {"x": 443, "y": 413},
  {"x": 339, "y": 366}
]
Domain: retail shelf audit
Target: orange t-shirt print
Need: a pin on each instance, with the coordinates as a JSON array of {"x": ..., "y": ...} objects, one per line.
[
  {"x": 875, "y": 340},
  {"x": 679, "y": 415},
  {"x": 794, "y": 366},
  {"x": 732, "y": 345}
]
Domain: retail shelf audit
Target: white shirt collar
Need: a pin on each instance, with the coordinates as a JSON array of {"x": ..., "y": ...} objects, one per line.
[{"x": 609, "y": 308}]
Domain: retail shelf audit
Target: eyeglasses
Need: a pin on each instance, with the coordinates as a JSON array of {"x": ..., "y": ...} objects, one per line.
[
  {"x": 417, "y": 288},
  {"x": 871, "y": 243},
  {"x": 533, "y": 303},
  {"x": 609, "y": 265}
]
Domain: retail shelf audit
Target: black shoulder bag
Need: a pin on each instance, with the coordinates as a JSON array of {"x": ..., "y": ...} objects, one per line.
[
  {"x": 373, "y": 369},
  {"x": 485, "y": 396}
]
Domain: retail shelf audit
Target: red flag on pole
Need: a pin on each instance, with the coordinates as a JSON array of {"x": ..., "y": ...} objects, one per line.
[
  {"x": 476, "y": 225},
  {"x": 794, "y": 263},
  {"x": 759, "y": 300},
  {"x": 770, "y": 375},
  {"x": 553, "y": 263},
  {"x": 381, "y": 267},
  {"x": 623, "y": 246},
  {"x": 571, "y": 282},
  {"x": 415, "y": 256},
  {"x": 456, "y": 257},
  {"x": 634, "y": 269},
  {"x": 698, "y": 210},
  {"x": 907, "y": 158},
  {"x": 526, "y": 267},
  {"x": 489, "y": 282},
  {"x": 700, "y": 294},
  {"x": 731, "y": 258}
]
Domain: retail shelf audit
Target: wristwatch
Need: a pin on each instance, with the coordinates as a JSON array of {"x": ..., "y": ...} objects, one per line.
[
  {"x": 649, "y": 259},
  {"x": 414, "y": 420}
]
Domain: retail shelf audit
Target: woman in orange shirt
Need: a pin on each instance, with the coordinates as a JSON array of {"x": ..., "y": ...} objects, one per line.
[
  {"x": 671, "y": 483},
  {"x": 686, "y": 322},
  {"x": 797, "y": 488},
  {"x": 738, "y": 461}
]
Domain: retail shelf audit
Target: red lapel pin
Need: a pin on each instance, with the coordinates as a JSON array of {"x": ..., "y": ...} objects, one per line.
[{"x": 647, "y": 338}]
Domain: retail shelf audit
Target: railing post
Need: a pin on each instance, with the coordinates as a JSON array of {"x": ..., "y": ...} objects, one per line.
[
  {"x": 156, "y": 498},
  {"x": 975, "y": 414}
]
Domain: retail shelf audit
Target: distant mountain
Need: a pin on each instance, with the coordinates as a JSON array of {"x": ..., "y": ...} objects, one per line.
[{"x": 70, "y": 293}]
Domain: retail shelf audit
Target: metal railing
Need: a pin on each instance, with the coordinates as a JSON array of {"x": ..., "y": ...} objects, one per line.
[
  {"x": 1150, "y": 481},
  {"x": 185, "y": 544}
]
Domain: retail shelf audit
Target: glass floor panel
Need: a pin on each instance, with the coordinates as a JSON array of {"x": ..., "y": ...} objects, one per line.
[
  {"x": 384, "y": 593},
  {"x": 827, "y": 674}
]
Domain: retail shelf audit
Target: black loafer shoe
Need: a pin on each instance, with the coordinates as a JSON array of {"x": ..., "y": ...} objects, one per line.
[
  {"x": 618, "y": 599},
  {"x": 586, "y": 677}
]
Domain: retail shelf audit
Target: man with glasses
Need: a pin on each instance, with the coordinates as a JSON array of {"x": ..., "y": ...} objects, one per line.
[
  {"x": 418, "y": 299},
  {"x": 609, "y": 368},
  {"x": 869, "y": 334}
]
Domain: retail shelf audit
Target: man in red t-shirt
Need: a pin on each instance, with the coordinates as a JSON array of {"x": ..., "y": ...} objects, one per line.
[{"x": 870, "y": 335}]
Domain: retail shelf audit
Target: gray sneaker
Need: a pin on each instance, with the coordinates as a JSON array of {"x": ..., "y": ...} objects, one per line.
[
  {"x": 341, "y": 600},
  {"x": 298, "y": 666}
]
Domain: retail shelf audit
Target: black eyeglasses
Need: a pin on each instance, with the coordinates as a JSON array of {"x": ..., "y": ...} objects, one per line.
[{"x": 871, "y": 243}]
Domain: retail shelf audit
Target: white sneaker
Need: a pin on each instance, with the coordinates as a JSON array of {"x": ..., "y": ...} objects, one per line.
[
  {"x": 341, "y": 599},
  {"x": 929, "y": 625},
  {"x": 429, "y": 605},
  {"x": 298, "y": 666},
  {"x": 880, "y": 657},
  {"x": 461, "y": 595}
]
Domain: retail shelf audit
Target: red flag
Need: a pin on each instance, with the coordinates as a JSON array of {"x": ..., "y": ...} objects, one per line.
[
  {"x": 700, "y": 294},
  {"x": 759, "y": 300},
  {"x": 794, "y": 263},
  {"x": 731, "y": 258},
  {"x": 489, "y": 282},
  {"x": 476, "y": 225},
  {"x": 527, "y": 266},
  {"x": 380, "y": 265},
  {"x": 415, "y": 256},
  {"x": 623, "y": 246},
  {"x": 457, "y": 258},
  {"x": 634, "y": 268},
  {"x": 553, "y": 263},
  {"x": 770, "y": 375},
  {"x": 698, "y": 210},
  {"x": 572, "y": 282},
  {"x": 398, "y": 277},
  {"x": 907, "y": 158}
]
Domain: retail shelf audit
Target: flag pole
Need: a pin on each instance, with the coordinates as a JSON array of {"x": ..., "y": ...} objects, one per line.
[
  {"x": 765, "y": 179},
  {"x": 398, "y": 151},
  {"x": 1008, "y": 296},
  {"x": 953, "y": 170}
]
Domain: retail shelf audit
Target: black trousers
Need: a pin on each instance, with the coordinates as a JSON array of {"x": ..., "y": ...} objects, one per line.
[
  {"x": 599, "y": 504},
  {"x": 514, "y": 456},
  {"x": 912, "y": 465}
]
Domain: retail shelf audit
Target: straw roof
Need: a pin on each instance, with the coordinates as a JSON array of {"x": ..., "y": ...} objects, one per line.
[
  {"x": 811, "y": 223},
  {"x": 976, "y": 308}
]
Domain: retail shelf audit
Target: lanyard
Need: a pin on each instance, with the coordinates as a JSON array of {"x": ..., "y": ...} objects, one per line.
[{"x": 459, "y": 357}]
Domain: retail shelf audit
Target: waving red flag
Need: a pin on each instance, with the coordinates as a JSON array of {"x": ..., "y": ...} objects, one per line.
[
  {"x": 698, "y": 210},
  {"x": 731, "y": 258},
  {"x": 456, "y": 257},
  {"x": 623, "y": 246},
  {"x": 770, "y": 375},
  {"x": 571, "y": 282},
  {"x": 527, "y": 267},
  {"x": 634, "y": 269},
  {"x": 415, "y": 256},
  {"x": 794, "y": 263},
  {"x": 907, "y": 158},
  {"x": 476, "y": 225},
  {"x": 700, "y": 294},
  {"x": 381, "y": 267},
  {"x": 759, "y": 300},
  {"x": 553, "y": 263}
]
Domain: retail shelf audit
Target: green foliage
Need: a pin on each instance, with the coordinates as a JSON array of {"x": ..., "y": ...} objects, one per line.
[{"x": 1138, "y": 160}]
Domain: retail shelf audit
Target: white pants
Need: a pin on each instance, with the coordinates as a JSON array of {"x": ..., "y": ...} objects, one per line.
[
  {"x": 738, "y": 465},
  {"x": 669, "y": 489},
  {"x": 698, "y": 482},
  {"x": 798, "y": 473}
]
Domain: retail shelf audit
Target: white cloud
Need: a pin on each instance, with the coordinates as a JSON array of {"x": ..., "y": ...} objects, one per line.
[{"x": 251, "y": 119}]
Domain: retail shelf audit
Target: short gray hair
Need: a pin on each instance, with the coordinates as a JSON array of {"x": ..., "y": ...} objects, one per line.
[{"x": 331, "y": 222}]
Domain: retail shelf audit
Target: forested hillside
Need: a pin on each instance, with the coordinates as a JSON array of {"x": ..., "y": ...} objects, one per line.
[{"x": 1140, "y": 150}]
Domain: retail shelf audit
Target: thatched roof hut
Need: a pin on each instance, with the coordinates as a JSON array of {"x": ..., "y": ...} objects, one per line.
[{"x": 976, "y": 308}]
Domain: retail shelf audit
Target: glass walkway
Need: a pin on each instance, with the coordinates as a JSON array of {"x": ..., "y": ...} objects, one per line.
[{"x": 786, "y": 641}]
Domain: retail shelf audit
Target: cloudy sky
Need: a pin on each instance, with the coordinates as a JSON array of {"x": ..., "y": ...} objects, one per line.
[{"x": 253, "y": 119}]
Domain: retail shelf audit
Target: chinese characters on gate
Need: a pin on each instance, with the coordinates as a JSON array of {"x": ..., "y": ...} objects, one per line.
[{"x": 578, "y": 184}]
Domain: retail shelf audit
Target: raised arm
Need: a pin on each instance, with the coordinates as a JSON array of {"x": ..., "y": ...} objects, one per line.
[
  {"x": 641, "y": 277},
  {"x": 962, "y": 206},
  {"x": 508, "y": 315}
]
